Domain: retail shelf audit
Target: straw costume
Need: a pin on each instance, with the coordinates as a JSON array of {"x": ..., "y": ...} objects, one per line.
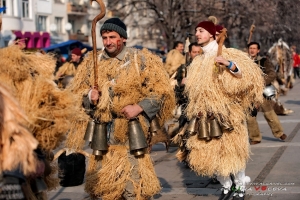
[
  {"x": 17, "y": 147},
  {"x": 226, "y": 95},
  {"x": 132, "y": 77},
  {"x": 29, "y": 77}
]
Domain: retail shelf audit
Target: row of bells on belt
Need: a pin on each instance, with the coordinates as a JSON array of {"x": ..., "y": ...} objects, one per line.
[
  {"x": 205, "y": 129},
  {"x": 96, "y": 135}
]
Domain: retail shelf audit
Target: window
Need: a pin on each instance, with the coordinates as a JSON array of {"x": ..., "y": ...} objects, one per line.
[
  {"x": 42, "y": 23},
  {"x": 25, "y": 9},
  {"x": 3, "y": 4},
  {"x": 72, "y": 22},
  {"x": 58, "y": 22},
  {"x": 11, "y": 7}
]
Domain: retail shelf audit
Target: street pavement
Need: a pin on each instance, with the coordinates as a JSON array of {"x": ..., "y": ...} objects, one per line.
[{"x": 273, "y": 168}]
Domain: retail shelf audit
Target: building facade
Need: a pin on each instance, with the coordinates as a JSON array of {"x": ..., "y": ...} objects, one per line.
[{"x": 44, "y": 22}]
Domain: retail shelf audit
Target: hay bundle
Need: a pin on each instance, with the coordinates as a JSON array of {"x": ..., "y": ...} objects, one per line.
[
  {"x": 229, "y": 99},
  {"x": 17, "y": 143}
]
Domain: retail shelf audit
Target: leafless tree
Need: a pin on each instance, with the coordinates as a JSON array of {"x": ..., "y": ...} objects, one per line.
[{"x": 173, "y": 19}]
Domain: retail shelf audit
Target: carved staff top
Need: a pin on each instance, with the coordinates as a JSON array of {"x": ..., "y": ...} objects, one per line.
[
  {"x": 220, "y": 42},
  {"x": 95, "y": 20},
  {"x": 251, "y": 32}
]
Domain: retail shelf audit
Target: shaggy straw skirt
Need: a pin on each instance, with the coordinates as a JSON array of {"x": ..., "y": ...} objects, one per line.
[{"x": 107, "y": 178}]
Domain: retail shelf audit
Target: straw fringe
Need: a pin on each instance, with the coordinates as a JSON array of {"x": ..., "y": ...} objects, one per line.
[
  {"x": 181, "y": 155},
  {"x": 75, "y": 137},
  {"x": 223, "y": 156},
  {"x": 107, "y": 178},
  {"x": 148, "y": 184},
  {"x": 109, "y": 181},
  {"x": 52, "y": 181},
  {"x": 160, "y": 136}
]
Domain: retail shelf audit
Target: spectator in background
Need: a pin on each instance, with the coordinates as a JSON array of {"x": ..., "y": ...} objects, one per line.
[
  {"x": 59, "y": 59},
  {"x": 18, "y": 41},
  {"x": 296, "y": 62}
]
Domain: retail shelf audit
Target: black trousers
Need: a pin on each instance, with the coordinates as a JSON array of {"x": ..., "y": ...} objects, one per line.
[{"x": 296, "y": 72}]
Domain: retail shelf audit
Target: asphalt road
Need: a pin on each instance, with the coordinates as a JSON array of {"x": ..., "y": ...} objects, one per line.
[{"x": 274, "y": 166}]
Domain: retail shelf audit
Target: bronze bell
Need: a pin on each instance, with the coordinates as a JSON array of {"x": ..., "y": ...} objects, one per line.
[
  {"x": 228, "y": 128},
  {"x": 38, "y": 185},
  {"x": 203, "y": 130},
  {"x": 154, "y": 126},
  {"x": 137, "y": 139},
  {"x": 99, "y": 141},
  {"x": 215, "y": 129},
  {"x": 192, "y": 126},
  {"x": 88, "y": 136}
]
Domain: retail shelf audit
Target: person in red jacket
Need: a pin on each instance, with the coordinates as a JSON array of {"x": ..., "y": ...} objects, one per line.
[{"x": 296, "y": 63}]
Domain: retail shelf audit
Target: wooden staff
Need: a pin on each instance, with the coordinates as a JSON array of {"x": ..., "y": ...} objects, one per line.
[
  {"x": 220, "y": 42},
  {"x": 95, "y": 20},
  {"x": 251, "y": 32},
  {"x": 0, "y": 21},
  {"x": 186, "y": 48}
]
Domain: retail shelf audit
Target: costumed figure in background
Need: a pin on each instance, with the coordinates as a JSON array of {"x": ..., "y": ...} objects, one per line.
[
  {"x": 127, "y": 89},
  {"x": 194, "y": 49},
  {"x": 175, "y": 59},
  {"x": 18, "y": 158},
  {"x": 281, "y": 57},
  {"x": 269, "y": 95},
  {"x": 220, "y": 90},
  {"x": 59, "y": 59},
  {"x": 68, "y": 70}
]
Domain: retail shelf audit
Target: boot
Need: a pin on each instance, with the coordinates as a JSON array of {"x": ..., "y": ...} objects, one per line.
[
  {"x": 283, "y": 90},
  {"x": 278, "y": 108}
]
